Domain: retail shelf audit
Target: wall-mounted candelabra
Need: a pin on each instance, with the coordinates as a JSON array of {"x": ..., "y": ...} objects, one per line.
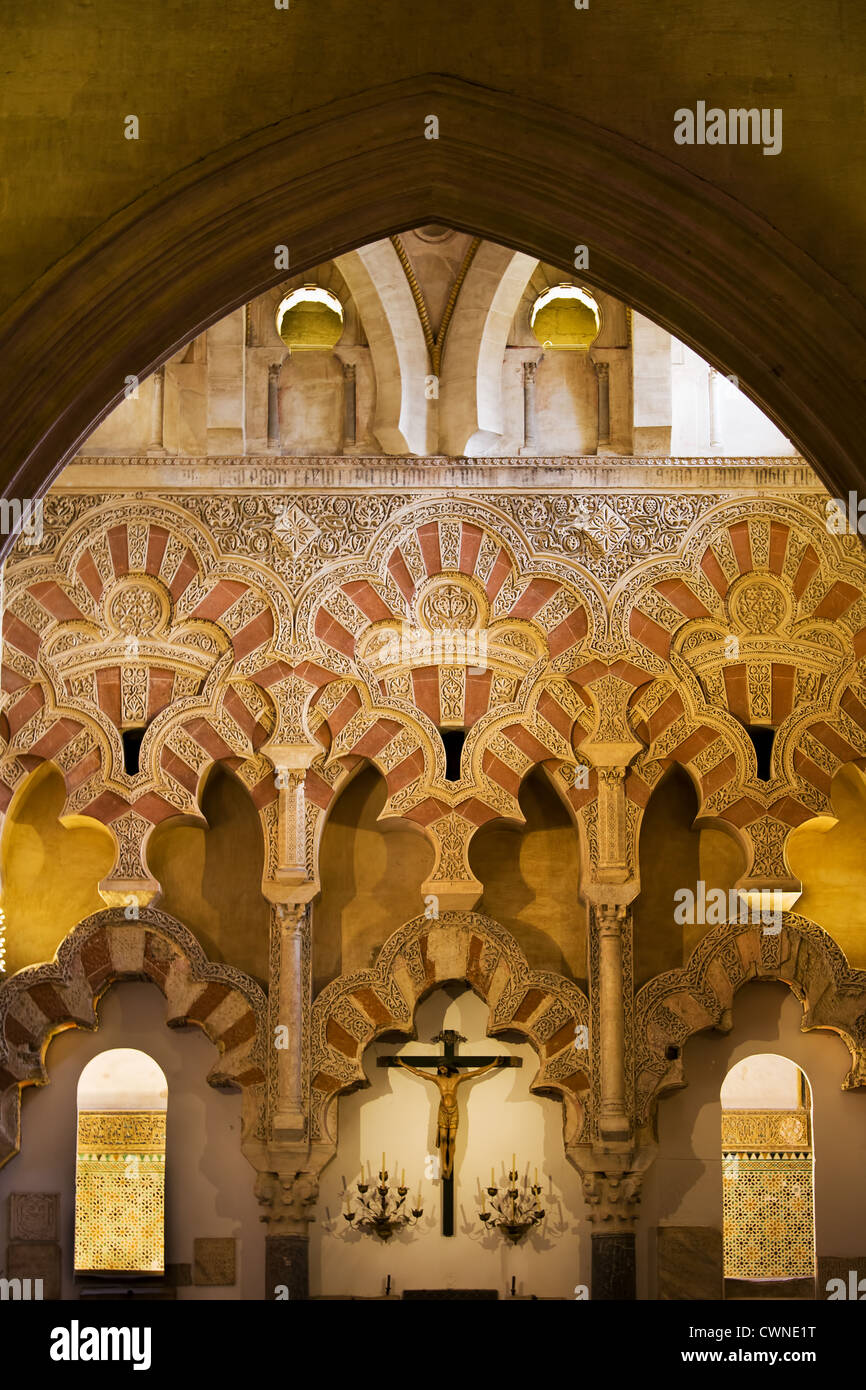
[
  {"x": 377, "y": 1209},
  {"x": 514, "y": 1209}
]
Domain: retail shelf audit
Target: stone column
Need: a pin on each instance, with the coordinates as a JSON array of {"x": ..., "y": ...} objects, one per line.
[
  {"x": 715, "y": 442},
  {"x": 603, "y": 373},
  {"x": 350, "y": 427},
  {"x": 530, "y": 416},
  {"x": 612, "y": 1200},
  {"x": 288, "y": 1200},
  {"x": 274, "y": 407},
  {"x": 292, "y": 922},
  {"x": 156, "y": 417},
  {"x": 613, "y": 1117}
]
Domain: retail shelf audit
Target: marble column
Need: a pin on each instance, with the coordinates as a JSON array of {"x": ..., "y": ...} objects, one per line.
[
  {"x": 530, "y": 416},
  {"x": 287, "y": 1267},
  {"x": 350, "y": 427},
  {"x": 612, "y": 1199},
  {"x": 715, "y": 442},
  {"x": 613, "y": 1267},
  {"x": 288, "y": 1200},
  {"x": 613, "y": 1116},
  {"x": 274, "y": 407},
  {"x": 603, "y": 373},
  {"x": 156, "y": 445},
  {"x": 292, "y": 921}
]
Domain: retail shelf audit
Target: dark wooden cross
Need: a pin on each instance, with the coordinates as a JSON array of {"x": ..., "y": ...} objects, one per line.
[{"x": 447, "y": 1078}]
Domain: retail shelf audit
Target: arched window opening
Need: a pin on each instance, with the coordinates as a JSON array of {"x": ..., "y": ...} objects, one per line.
[
  {"x": 132, "y": 740},
  {"x": 767, "y": 1171},
  {"x": 120, "y": 1166},
  {"x": 453, "y": 741}
]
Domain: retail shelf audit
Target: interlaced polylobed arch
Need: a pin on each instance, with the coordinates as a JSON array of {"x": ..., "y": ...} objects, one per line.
[
  {"x": 43, "y": 1000},
  {"x": 355, "y": 1009},
  {"x": 672, "y": 1007}
]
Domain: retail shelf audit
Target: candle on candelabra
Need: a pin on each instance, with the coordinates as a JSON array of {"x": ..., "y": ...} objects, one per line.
[
  {"x": 536, "y": 1177},
  {"x": 514, "y": 1163},
  {"x": 483, "y": 1200},
  {"x": 492, "y": 1178},
  {"x": 403, "y": 1178},
  {"x": 383, "y": 1163}
]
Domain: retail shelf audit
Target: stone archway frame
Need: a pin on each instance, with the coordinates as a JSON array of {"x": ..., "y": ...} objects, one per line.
[
  {"x": 43, "y": 1000},
  {"x": 515, "y": 171},
  {"x": 674, "y": 1006},
  {"x": 357, "y": 1008}
]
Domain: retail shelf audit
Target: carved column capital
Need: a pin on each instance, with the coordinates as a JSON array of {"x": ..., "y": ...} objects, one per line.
[
  {"x": 288, "y": 1201},
  {"x": 292, "y": 918},
  {"x": 612, "y": 1199},
  {"x": 612, "y": 917}
]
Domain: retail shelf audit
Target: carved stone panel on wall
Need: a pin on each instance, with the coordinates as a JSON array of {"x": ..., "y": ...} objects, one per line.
[
  {"x": 33, "y": 1215},
  {"x": 214, "y": 1260}
]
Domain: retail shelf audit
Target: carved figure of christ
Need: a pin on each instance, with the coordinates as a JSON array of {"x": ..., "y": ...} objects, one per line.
[{"x": 447, "y": 1077}]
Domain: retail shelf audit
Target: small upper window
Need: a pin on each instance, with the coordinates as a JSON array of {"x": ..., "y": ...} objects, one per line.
[
  {"x": 565, "y": 317},
  {"x": 310, "y": 318}
]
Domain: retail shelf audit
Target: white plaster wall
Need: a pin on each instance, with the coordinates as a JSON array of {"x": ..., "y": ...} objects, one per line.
[
  {"x": 742, "y": 430},
  {"x": 209, "y": 1184},
  {"x": 684, "y": 1186},
  {"x": 567, "y": 404},
  {"x": 497, "y": 1117},
  {"x": 311, "y": 403}
]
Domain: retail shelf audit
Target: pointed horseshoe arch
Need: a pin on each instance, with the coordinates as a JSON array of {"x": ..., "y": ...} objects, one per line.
[
  {"x": 514, "y": 171},
  {"x": 355, "y": 1009},
  {"x": 43, "y": 1000},
  {"x": 674, "y": 1006}
]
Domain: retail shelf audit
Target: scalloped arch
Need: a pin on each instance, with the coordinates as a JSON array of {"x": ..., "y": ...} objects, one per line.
[
  {"x": 674, "y": 1006},
  {"x": 357, "y": 1008},
  {"x": 105, "y": 948}
]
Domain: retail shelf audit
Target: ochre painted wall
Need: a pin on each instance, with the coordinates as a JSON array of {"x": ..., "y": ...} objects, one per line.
[
  {"x": 831, "y": 864},
  {"x": 211, "y": 879},
  {"x": 674, "y": 856},
  {"x": 531, "y": 877},
  {"x": 371, "y": 880},
  {"x": 50, "y": 871}
]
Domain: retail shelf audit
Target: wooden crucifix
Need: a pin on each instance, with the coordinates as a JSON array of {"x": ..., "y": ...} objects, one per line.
[{"x": 447, "y": 1078}]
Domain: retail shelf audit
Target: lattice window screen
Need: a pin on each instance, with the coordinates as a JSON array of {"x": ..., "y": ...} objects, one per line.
[
  {"x": 120, "y": 1191},
  {"x": 767, "y": 1194}
]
